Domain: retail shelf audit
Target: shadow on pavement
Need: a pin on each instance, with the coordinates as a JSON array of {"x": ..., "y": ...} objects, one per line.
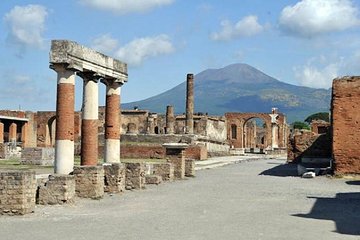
[
  {"x": 344, "y": 210},
  {"x": 283, "y": 170},
  {"x": 353, "y": 182}
]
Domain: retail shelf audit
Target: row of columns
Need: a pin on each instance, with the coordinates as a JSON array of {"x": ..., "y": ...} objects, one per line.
[
  {"x": 13, "y": 132},
  {"x": 64, "y": 143}
]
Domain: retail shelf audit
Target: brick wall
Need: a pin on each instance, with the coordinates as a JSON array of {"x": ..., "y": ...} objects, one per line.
[
  {"x": 89, "y": 181},
  {"x": 345, "y": 112},
  {"x": 308, "y": 144}
]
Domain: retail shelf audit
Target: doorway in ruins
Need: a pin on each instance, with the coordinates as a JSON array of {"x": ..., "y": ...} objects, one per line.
[
  {"x": 50, "y": 132},
  {"x": 254, "y": 135}
]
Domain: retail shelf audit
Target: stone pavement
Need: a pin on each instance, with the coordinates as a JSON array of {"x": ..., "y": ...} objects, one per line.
[{"x": 253, "y": 200}]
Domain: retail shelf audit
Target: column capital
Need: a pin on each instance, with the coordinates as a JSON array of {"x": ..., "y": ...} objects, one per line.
[
  {"x": 110, "y": 82},
  {"x": 90, "y": 76}
]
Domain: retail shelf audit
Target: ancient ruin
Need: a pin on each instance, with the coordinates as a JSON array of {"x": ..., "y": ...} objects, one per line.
[{"x": 69, "y": 59}]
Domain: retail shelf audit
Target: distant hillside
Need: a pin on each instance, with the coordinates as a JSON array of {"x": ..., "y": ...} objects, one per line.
[{"x": 241, "y": 88}]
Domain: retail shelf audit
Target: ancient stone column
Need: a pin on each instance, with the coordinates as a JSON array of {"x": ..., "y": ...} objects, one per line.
[
  {"x": 24, "y": 134},
  {"x": 1, "y": 132},
  {"x": 12, "y": 132},
  {"x": 112, "y": 122},
  {"x": 170, "y": 120},
  {"x": 189, "y": 126},
  {"x": 64, "y": 139},
  {"x": 89, "y": 122},
  {"x": 274, "y": 136}
]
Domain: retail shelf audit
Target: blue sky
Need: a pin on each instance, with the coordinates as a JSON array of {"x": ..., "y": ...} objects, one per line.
[{"x": 302, "y": 42}]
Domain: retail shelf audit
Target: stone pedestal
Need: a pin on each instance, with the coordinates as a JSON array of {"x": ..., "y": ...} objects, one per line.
[
  {"x": 135, "y": 176},
  {"x": 175, "y": 154},
  {"x": 17, "y": 192},
  {"x": 59, "y": 189},
  {"x": 114, "y": 177},
  {"x": 89, "y": 181},
  {"x": 190, "y": 168}
]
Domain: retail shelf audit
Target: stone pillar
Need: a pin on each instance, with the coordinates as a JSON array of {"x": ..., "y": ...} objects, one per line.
[
  {"x": 189, "y": 127},
  {"x": 175, "y": 154},
  {"x": 274, "y": 136},
  {"x": 112, "y": 122},
  {"x": 89, "y": 122},
  {"x": 170, "y": 120},
  {"x": 24, "y": 134},
  {"x": 12, "y": 132},
  {"x": 64, "y": 140},
  {"x": 1, "y": 132}
]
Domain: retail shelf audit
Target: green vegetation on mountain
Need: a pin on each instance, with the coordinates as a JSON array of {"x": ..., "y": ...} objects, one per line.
[{"x": 241, "y": 88}]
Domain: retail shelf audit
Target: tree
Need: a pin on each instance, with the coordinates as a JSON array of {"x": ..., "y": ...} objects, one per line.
[
  {"x": 300, "y": 125},
  {"x": 318, "y": 116}
]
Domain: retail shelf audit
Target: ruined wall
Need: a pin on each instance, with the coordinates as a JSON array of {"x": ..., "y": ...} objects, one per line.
[
  {"x": 319, "y": 126},
  {"x": 308, "y": 144},
  {"x": 345, "y": 113},
  {"x": 216, "y": 129},
  {"x": 137, "y": 117}
]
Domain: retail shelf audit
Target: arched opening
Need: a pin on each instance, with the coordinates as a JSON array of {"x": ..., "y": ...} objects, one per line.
[
  {"x": 233, "y": 131},
  {"x": 254, "y": 135},
  {"x": 50, "y": 132},
  {"x": 156, "y": 130}
]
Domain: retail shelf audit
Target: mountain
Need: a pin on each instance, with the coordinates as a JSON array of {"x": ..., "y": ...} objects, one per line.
[{"x": 241, "y": 88}]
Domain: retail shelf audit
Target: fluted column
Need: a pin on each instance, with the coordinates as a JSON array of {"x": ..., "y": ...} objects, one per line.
[
  {"x": 112, "y": 122},
  {"x": 170, "y": 120},
  {"x": 64, "y": 140},
  {"x": 189, "y": 128},
  {"x": 89, "y": 122}
]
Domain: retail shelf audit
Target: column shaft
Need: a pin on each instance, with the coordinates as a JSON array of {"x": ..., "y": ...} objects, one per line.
[
  {"x": 64, "y": 139},
  {"x": 89, "y": 123},
  {"x": 1, "y": 132},
  {"x": 189, "y": 128},
  {"x": 24, "y": 134},
  {"x": 112, "y": 123},
  {"x": 170, "y": 120},
  {"x": 13, "y": 132}
]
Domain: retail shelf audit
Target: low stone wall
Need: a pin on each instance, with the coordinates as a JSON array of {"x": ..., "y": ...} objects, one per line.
[
  {"x": 59, "y": 189},
  {"x": 189, "y": 167},
  {"x": 38, "y": 156},
  {"x": 153, "y": 179},
  {"x": 89, "y": 181},
  {"x": 17, "y": 192},
  {"x": 114, "y": 177},
  {"x": 308, "y": 144},
  {"x": 165, "y": 170},
  {"x": 135, "y": 176},
  {"x": 143, "y": 151}
]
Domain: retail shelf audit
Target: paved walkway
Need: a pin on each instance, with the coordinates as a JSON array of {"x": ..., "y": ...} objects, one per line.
[{"x": 250, "y": 200}]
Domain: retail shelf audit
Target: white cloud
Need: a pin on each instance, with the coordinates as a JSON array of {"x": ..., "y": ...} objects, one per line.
[
  {"x": 246, "y": 27},
  {"x": 125, "y": 6},
  {"x": 26, "y": 26},
  {"x": 309, "y": 18},
  {"x": 104, "y": 43},
  {"x": 135, "y": 52}
]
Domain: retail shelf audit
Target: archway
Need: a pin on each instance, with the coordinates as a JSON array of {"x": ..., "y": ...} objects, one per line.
[
  {"x": 254, "y": 135},
  {"x": 50, "y": 132}
]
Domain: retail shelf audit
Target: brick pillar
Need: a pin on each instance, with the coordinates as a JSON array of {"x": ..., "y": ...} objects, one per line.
[
  {"x": 24, "y": 134},
  {"x": 189, "y": 128},
  {"x": 170, "y": 120},
  {"x": 345, "y": 107},
  {"x": 1, "y": 132},
  {"x": 89, "y": 122},
  {"x": 12, "y": 132},
  {"x": 112, "y": 122},
  {"x": 64, "y": 139}
]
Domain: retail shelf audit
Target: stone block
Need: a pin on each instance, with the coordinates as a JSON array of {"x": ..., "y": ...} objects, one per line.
[
  {"x": 153, "y": 179},
  {"x": 165, "y": 170},
  {"x": 135, "y": 176},
  {"x": 89, "y": 181},
  {"x": 59, "y": 189},
  {"x": 38, "y": 156},
  {"x": 2, "y": 150},
  {"x": 17, "y": 192},
  {"x": 114, "y": 177},
  {"x": 190, "y": 168}
]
